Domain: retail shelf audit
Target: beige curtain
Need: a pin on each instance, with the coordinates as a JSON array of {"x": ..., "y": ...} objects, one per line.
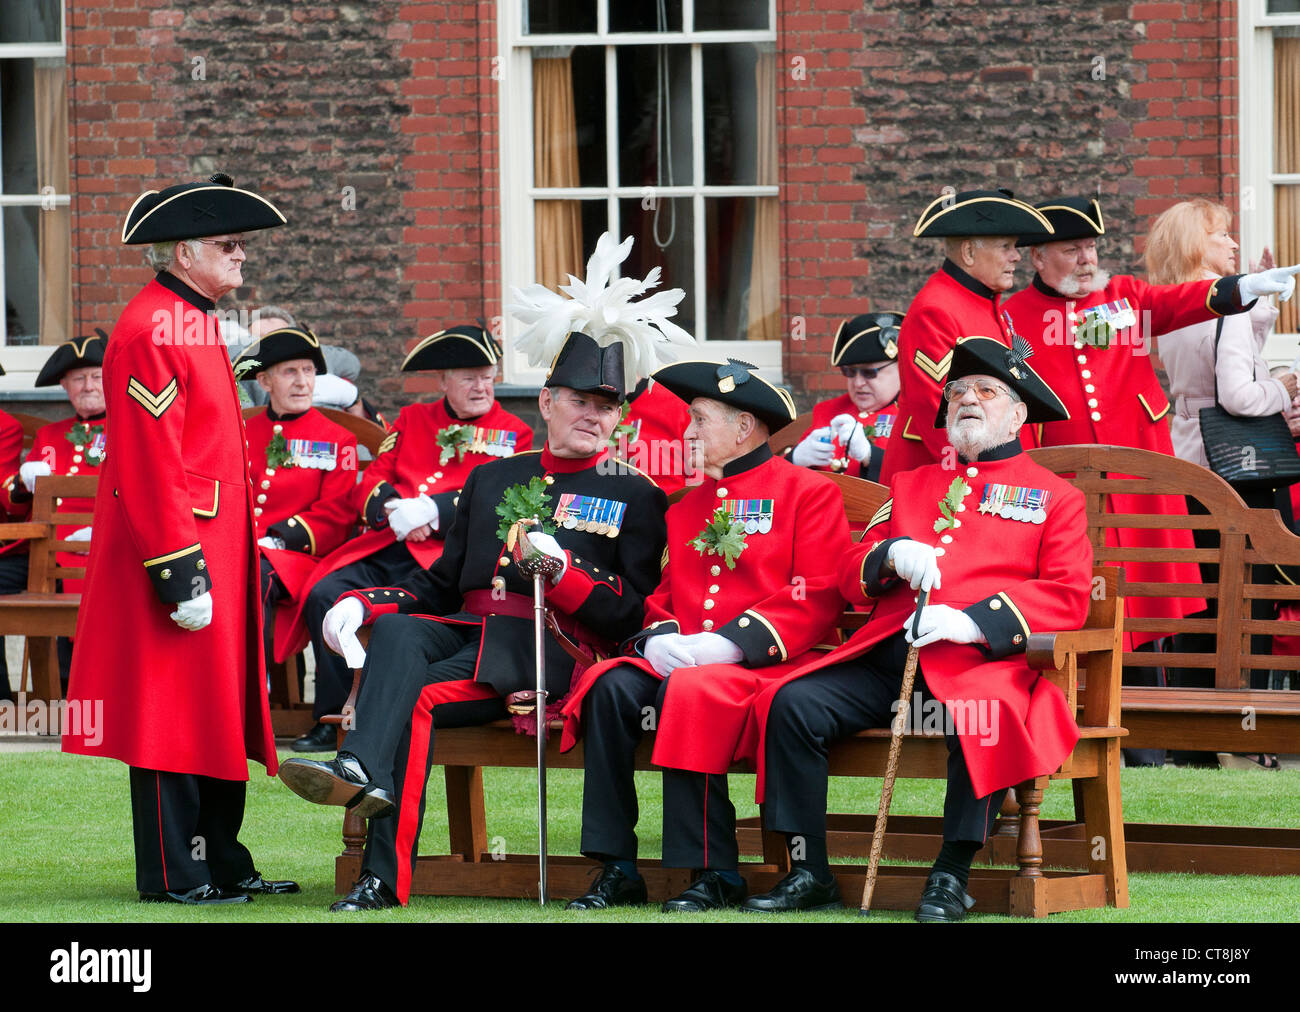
[
  {"x": 1286, "y": 143},
  {"x": 55, "y": 222},
  {"x": 764, "y": 281},
  {"x": 558, "y": 223}
]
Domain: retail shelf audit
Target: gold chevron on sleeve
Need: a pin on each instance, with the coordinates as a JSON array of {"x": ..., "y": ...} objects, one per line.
[
  {"x": 389, "y": 442},
  {"x": 882, "y": 514},
  {"x": 154, "y": 403},
  {"x": 935, "y": 370}
]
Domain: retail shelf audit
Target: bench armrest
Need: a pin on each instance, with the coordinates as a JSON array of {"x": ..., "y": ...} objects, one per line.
[{"x": 1049, "y": 651}]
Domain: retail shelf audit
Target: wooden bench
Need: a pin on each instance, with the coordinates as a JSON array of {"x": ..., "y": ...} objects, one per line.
[{"x": 472, "y": 870}]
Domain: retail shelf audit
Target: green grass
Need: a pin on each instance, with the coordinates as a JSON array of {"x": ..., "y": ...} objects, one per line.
[{"x": 69, "y": 819}]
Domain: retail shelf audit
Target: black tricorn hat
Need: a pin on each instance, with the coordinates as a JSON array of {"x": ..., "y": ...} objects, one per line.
[
  {"x": 584, "y": 365},
  {"x": 987, "y": 356},
  {"x": 79, "y": 353},
  {"x": 463, "y": 347},
  {"x": 276, "y": 346},
  {"x": 1071, "y": 218},
  {"x": 194, "y": 210},
  {"x": 734, "y": 383},
  {"x": 981, "y": 212},
  {"x": 866, "y": 338}
]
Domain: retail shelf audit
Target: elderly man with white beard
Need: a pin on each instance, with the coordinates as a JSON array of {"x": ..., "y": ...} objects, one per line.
[{"x": 1000, "y": 544}]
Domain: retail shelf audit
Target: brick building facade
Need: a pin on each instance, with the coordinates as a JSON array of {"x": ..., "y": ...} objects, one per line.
[{"x": 375, "y": 127}]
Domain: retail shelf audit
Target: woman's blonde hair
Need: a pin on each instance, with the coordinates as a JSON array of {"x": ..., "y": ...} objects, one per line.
[{"x": 1176, "y": 242}]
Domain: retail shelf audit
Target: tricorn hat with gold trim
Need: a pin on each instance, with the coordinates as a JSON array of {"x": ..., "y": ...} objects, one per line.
[
  {"x": 734, "y": 383},
  {"x": 464, "y": 347},
  {"x": 1071, "y": 218},
  {"x": 867, "y": 338},
  {"x": 276, "y": 346},
  {"x": 986, "y": 356},
  {"x": 981, "y": 212},
  {"x": 79, "y": 353},
  {"x": 194, "y": 210}
]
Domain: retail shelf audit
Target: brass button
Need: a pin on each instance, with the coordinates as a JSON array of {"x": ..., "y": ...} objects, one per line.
[
  {"x": 257, "y": 511},
  {"x": 422, "y": 487},
  {"x": 76, "y": 458},
  {"x": 715, "y": 570},
  {"x": 437, "y": 475},
  {"x": 713, "y": 588},
  {"x": 743, "y": 623},
  {"x": 504, "y": 560},
  {"x": 270, "y": 472},
  {"x": 265, "y": 483},
  {"x": 939, "y": 551},
  {"x": 708, "y": 624},
  {"x": 1017, "y": 639},
  {"x": 995, "y": 604},
  {"x": 291, "y": 522},
  {"x": 972, "y": 471},
  {"x": 201, "y": 565},
  {"x": 498, "y": 583},
  {"x": 72, "y": 469},
  {"x": 549, "y": 480},
  {"x": 262, "y": 497},
  {"x": 708, "y": 604},
  {"x": 722, "y": 493},
  {"x": 166, "y": 574},
  {"x": 771, "y": 651},
  {"x": 277, "y": 428}
]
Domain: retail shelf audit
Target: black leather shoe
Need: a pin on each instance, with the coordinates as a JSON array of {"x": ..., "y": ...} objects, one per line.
[
  {"x": 611, "y": 889},
  {"x": 799, "y": 890},
  {"x": 367, "y": 893},
  {"x": 340, "y": 781},
  {"x": 256, "y": 884},
  {"x": 206, "y": 894},
  {"x": 944, "y": 900},
  {"x": 708, "y": 892},
  {"x": 321, "y": 738}
]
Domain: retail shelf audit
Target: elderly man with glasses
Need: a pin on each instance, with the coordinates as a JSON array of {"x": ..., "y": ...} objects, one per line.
[
  {"x": 169, "y": 646},
  {"x": 849, "y": 433},
  {"x": 1001, "y": 546}
]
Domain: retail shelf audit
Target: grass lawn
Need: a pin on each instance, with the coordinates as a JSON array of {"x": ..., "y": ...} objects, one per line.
[{"x": 73, "y": 830}]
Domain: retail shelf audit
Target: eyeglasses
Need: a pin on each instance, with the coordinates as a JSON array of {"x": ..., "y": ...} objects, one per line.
[
  {"x": 227, "y": 246},
  {"x": 863, "y": 372},
  {"x": 985, "y": 390}
]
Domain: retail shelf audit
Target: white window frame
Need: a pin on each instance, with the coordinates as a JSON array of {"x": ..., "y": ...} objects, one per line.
[
  {"x": 23, "y": 362},
  {"x": 517, "y": 193}
]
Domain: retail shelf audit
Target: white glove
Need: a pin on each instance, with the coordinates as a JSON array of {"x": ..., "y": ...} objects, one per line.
[
  {"x": 1279, "y": 281},
  {"x": 32, "y": 470},
  {"x": 667, "y": 652},
  {"x": 915, "y": 562},
  {"x": 939, "y": 622},
  {"x": 852, "y": 436},
  {"x": 547, "y": 545},
  {"x": 405, "y": 515},
  {"x": 272, "y": 543},
  {"x": 195, "y": 613},
  {"x": 712, "y": 648},
  {"x": 816, "y": 449},
  {"x": 80, "y": 534},
  {"x": 339, "y": 629},
  {"x": 334, "y": 392}
]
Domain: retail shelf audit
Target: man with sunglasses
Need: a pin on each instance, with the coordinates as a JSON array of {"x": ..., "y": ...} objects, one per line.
[
  {"x": 849, "y": 433},
  {"x": 1001, "y": 545},
  {"x": 169, "y": 646}
]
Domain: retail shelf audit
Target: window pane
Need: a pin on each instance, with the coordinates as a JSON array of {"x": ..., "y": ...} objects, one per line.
[
  {"x": 31, "y": 21},
  {"x": 739, "y": 116},
  {"x": 744, "y": 298},
  {"x": 554, "y": 16},
  {"x": 569, "y": 116},
  {"x": 565, "y": 234},
  {"x": 1286, "y": 228},
  {"x": 654, "y": 116},
  {"x": 664, "y": 234},
  {"x": 18, "y": 120},
  {"x": 1286, "y": 100},
  {"x": 645, "y": 15},
  {"x": 730, "y": 15},
  {"x": 22, "y": 275},
  {"x": 1284, "y": 6}
]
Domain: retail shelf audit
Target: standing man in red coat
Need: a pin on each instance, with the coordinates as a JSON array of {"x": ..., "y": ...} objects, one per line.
[
  {"x": 169, "y": 632},
  {"x": 747, "y": 589},
  {"x": 979, "y": 229},
  {"x": 850, "y": 432},
  {"x": 304, "y": 470},
  {"x": 409, "y": 492},
  {"x": 1001, "y": 545}
]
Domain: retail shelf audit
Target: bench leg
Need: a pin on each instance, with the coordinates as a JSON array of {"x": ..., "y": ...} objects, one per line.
[
  {"x": 775, "y": 851},
  {"x": 1103, "y": 818},
  {"x": 1028, "y": 889},
  {"x": 466, "y": 818},
  {"x": 45, "y": 668}
]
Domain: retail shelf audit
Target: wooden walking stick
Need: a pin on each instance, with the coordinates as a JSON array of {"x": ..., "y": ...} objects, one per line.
[{"x": 897, "y": 728}]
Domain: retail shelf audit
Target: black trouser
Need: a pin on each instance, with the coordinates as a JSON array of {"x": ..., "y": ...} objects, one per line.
[
  {"x": 810, "y": 713},
  {"x": 388, "y": 567},
  {"x": 186, "y": 831},
  {"x": 272, "y": 593},
  {"x": 408, "y": 666}
]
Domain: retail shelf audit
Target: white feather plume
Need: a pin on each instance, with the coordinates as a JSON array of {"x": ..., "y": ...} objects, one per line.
[{"x": 604, "y": 311}]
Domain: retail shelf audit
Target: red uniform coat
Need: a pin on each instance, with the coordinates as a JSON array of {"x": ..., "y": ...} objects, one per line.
[
  {"x": 306, "y": 503},
  {"x": 11, "y": 451},
  {"x": 950, "y": 306},
  {"x": 883, "y": 420},
  {"x": 1012, "y": 577},
  {"x": 1114, "y": 398},
  {"x": 777, "y": 604},
  {"x": 409, "y": 462},
  {"x": 658, "y": 419},
  {"x": 173, "y": 519}
]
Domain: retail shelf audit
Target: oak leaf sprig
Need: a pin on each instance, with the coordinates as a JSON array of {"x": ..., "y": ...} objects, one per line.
[
  {"x": 723, "y": 536},
  {"x": 957, "y": 491},
  {"x": 454, "y": 439},
  {"x": 525, "y": 502},
  {"x": 83, "y": 435}
]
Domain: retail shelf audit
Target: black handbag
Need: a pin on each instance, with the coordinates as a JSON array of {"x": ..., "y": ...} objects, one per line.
[{"x": 1247, "y": 452}]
